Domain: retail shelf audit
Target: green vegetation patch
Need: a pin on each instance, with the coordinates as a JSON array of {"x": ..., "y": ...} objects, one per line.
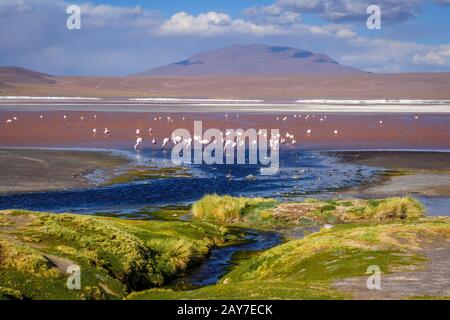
[
  {"x": 148, "y": 173},
  {"x": 311, "y": 212},
  {"x": 247, "y": 290},
  {"x": 307, "y": 268},
  {"x": 116, "y": 256},
  {"x": 228, "y": 209}
]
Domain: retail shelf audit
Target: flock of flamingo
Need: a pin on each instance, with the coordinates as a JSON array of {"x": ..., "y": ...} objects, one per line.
[{"x": 274, "y": 141}]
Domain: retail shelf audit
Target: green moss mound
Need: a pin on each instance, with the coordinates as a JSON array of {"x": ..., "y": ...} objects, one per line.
[
  {"x": 115, "y": 256},
  {"x": 259, "y": 211},
  {"x": 228, "y": 209},
  {"x": 307, "y": 268}
]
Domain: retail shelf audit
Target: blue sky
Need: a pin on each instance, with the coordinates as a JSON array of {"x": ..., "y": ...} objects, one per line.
[
  {"x": 124, "y": 37},
  {"x": 170, "y": 7}
]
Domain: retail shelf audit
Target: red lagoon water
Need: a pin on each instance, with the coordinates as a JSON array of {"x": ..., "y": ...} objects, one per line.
[{"x": 382, "y": 131}]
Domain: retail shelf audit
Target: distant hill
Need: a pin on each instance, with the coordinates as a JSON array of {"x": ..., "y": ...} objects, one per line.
[
  {"x": 14, "y": 75},
  {"x": 254, "y": 59}
]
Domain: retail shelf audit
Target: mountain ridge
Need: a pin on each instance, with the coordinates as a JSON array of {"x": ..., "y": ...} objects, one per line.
[
  {"x": 12, "y": 74},
  {"x": 253, "y": 59}
]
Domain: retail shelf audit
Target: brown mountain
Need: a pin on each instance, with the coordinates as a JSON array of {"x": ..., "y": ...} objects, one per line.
[
  {"x": 254, "y": 59},
  {"x": 14, "y": 75}
]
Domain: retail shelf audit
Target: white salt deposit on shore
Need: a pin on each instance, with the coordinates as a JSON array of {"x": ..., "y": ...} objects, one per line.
[
  {"x": 46, "y": 98},
  {"x": 372, "y": 102}
]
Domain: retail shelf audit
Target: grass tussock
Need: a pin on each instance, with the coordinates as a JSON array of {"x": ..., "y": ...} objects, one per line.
[
  {"x": 345, "y": 251},
  {"x": 397, "y": 209},
  {"x": 116, "y": 256},
  {"x": 251, "y": 211},
  {"x": 228, "y": 209},
  {"x": 319, "y": 212},
  {"x": 307, "y": 268}
]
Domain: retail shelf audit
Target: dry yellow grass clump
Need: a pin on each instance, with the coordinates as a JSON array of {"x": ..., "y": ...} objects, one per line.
[
  {"x": 115, "y": 256},
  {"x": 227, "y": 209}
]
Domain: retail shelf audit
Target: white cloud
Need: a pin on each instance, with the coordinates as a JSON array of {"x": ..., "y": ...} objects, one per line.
[
  {"x": 392, "y": 11},
  {"x": 216, "y": 23},
  {"x": 272, "y": 14},
  {"x": 383, "y": 55},
  {"x": 213, "y": 23},
  {"x": 339, "y": 31},
  {"x": 439, "y": 56},
  {"x": 110, "y": 16}
]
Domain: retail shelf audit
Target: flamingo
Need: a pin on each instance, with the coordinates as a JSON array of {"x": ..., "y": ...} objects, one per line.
[
  {"x": 41, "y": 117},
  {"x": 308, "y": 131},
  {"x": 154, "y": 141},
  {"x": 380, "y": 122},
  {"x": 335, "y": 132},
  {"x": 165, "y": 141},
  {"x": 82, "y": 118},
  {"x": 138, "y": 143},
  {"x": 227, "y": 144},
  {"x": 138, "y": 131},
  {"x": 416, "y": 117},
  {"x": 9, "y": 121},
  {"x": 94, "y": 130},
  {"x": 106, "y": 131},
  {"x": 15, "y": 118},
  {"x": 273, "y": 143},
  {"x": 95, "y": 116},
  {"x": 188, "y": 142},
  {"x": 176, "y": 139},
  {"x": 150, "y": 130},
  {"x": 65, "y": 117}
]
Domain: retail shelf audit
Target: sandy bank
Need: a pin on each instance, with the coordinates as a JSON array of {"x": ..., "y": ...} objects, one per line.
[
  {"x": 24, "y": 170},
  {"x": 425, "y": 173}
]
